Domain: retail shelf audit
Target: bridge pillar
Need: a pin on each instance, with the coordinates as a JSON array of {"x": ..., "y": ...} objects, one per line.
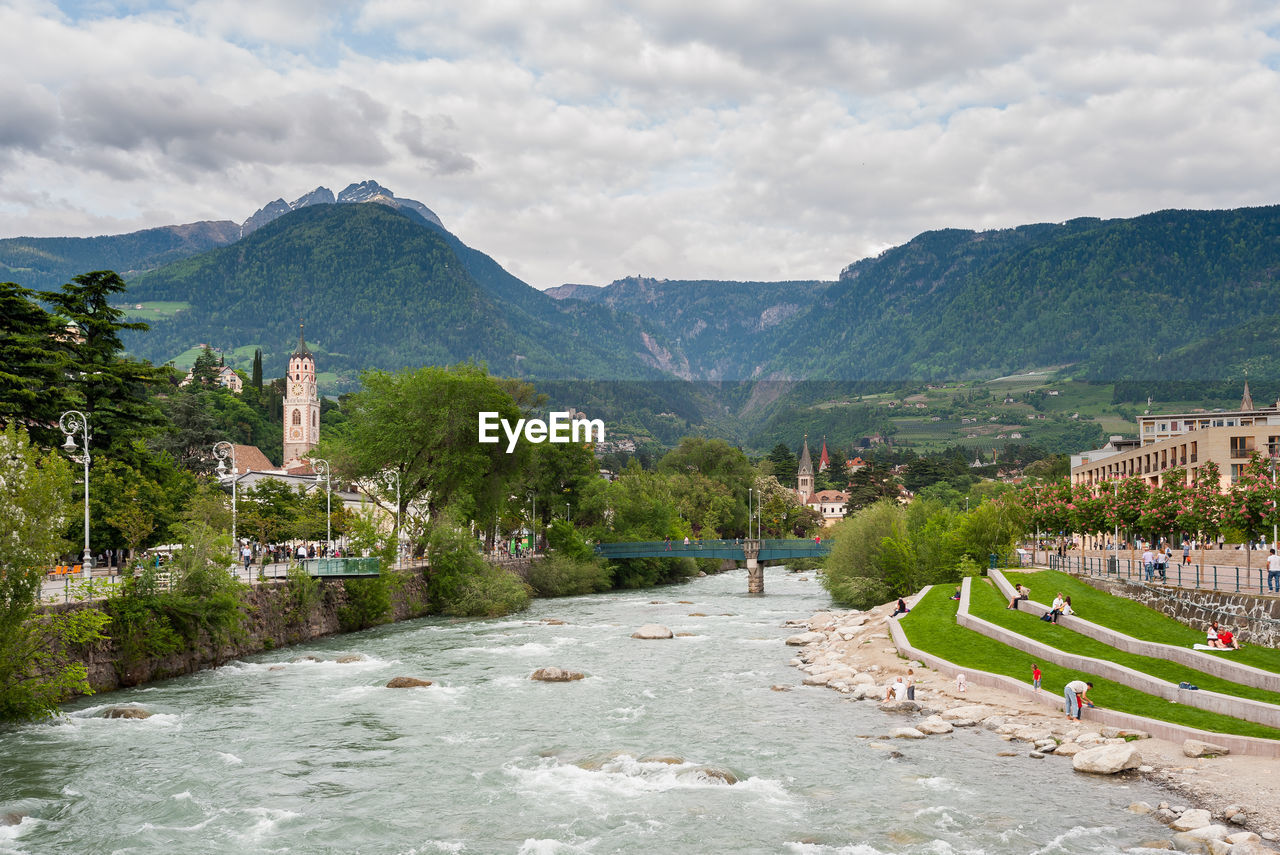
[{"x": 755, "y": 573}]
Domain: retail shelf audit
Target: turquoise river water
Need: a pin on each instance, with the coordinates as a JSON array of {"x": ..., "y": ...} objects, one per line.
[{"x": 319, "y": 757}]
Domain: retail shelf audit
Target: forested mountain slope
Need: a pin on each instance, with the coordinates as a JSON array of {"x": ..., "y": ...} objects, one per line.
[
  {"x": 45, "y": 263},
  {"x": 718, "y": 330},
  {"x": 378, "y": 288},
  {"x": 1115, "y": 297}
]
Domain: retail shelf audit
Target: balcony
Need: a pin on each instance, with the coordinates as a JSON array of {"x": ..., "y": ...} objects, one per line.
[{"x": 1241, "y": 453}]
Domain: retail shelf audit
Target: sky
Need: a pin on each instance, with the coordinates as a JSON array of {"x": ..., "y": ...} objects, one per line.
[{"x": 583, "y": 140}]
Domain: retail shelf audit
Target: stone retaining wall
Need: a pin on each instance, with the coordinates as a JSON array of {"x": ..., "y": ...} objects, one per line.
[
  {"x": 1257, "y": 617},
  {"x": 271, "y": 622}
]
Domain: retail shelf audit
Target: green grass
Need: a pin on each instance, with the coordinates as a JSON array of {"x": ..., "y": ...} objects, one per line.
[
  {"x": 931, "y": 627},
  {"x": 989, "y": 604},
  {"x": 1130, "y": 617},
  {"x": 154, "y": 310}
]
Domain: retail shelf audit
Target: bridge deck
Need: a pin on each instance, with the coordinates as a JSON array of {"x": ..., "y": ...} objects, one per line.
[{"x": 770, "y": 550}]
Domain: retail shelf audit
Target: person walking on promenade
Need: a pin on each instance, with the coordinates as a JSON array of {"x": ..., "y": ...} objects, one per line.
[
  {"x": 1149, "y": 563},
  {"x": 1186, "y": 552},
  {"x": 1075, "y": 694},
  {"x": 1035, "y": 676},
  {"x": 1162, "y": 560},
  {"x": 1273, "y": 572}
]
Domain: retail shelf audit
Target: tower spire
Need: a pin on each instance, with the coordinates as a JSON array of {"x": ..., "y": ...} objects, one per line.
[
  {"x": 302, "y": 342},
  {"x": 1246, "y": 403}
]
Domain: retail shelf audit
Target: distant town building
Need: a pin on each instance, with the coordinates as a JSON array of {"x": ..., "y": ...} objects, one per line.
[{"x": 1184, "y": 442}]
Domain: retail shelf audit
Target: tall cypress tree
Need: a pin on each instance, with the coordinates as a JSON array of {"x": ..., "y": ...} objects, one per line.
[{"x": 256, "y": 382}]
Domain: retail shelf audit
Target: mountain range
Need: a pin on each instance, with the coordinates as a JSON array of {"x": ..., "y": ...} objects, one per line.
[{"x": 1172, "y": 296}]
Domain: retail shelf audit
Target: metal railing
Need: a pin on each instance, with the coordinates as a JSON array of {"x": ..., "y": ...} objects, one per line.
[
  {"x": 1212, "y": 577},
  {"x": 341, "y": 566}
]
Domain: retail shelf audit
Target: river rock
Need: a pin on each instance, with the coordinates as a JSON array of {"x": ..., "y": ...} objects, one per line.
[
  {"x": 901, "y": 706},
  {"x": 1140, "y": 808},
  {"x": 963, "y": 722},
  {"x": 1068, "y": 749},
  {"x": 556, "y": 675},
  {"x": 12, "y": 818},
  {"x": 1107, "y": 759},
  {"x": 906, "y": 733},
  {"x": 1032, "y": 734},
  {"x": 780, "y": 688},
  {"x": 696, "y": 614},
  {"x": 125, "y": 712},
  {"x": 406, "y": 683},
  {"x": 1239, "y": 819},
  {"x": 669, "y": 759},
  {"x": 715, "y": 773},
  {"x": 1153, "y": 844},
  {"x": 1036, "y": 755},
  {"x": 933, "y": 725},
  {"x": 652, "y": 631},
  {"x": 686, "y": 635},
  {"x": 276, "y": 668},
  {"x": 1192, "y": 819},
  {"x": 552, "y": 622},
  {"x": 1251, "y": 847},
  {"x": 1243, "y": 837},
  {"x": 347, "y": 660},
  {"x": 306, "y": 659},
  {"x": 815, "y": 680},
  {"x": 806, "y": 638},
  {"x": 1197, "y": 748},
  {"x": 973, "y": 711}
]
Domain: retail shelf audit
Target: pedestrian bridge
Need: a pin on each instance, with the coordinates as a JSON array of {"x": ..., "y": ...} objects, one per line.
[
  {"x": 751, "y": 550},
  {"x": 738, "y": 550}
]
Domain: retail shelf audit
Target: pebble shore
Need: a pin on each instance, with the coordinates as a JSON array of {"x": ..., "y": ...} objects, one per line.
[{"x": 1234, "y": 802}]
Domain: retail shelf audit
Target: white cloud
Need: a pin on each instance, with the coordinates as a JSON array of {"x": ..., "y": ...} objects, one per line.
[{"x": 575, "y": 141}]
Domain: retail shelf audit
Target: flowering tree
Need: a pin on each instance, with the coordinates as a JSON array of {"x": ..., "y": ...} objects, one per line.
[
  {"x": 1091, "y": 510},
  {"x": 1250, "y": 505},
  {"x": 1127, "y": 503},
  {"x": 1164, "y": 504},
  {"x": 1202, "y": 510}
]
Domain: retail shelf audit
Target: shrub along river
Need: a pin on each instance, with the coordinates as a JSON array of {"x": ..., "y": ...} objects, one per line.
[{"x": 280, "y": 755}]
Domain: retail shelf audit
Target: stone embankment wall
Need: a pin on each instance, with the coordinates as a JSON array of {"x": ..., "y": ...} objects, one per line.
[
  {"x": 272, "y": 620},
  {"x": 1258, "y": 618}
]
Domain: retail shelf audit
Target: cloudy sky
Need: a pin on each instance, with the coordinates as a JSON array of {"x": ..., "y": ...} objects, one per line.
[{"x": 584, "y": 140}]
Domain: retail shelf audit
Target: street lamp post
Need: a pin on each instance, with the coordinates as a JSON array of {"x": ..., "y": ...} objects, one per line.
[
  {"x": 225, "y": 451},
  {"x": 72, "y": 422},
  {"x": 399, "y": 533},
  {"x": 322, "y": 470}
]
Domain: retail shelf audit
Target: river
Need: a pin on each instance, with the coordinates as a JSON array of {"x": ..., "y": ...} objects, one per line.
[{"x": 318, "y": 757}]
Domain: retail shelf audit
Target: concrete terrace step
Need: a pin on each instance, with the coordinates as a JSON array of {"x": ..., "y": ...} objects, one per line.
[
  {"x": 1241, "y": 708},
  {"x": 1210, "y": 663},
  {"x": 1169, "y": 731}
]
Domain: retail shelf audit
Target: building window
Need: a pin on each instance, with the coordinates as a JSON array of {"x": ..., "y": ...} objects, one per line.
[
  {"x": 1241, "y": 446},
  {"x": 313, "y": 418},
  {"x": 1194, "y": 455},
  {"x": 1235, "y": 471},
  {"x": 297, "y": 417},
  {"x": 1273, "y": 446}
]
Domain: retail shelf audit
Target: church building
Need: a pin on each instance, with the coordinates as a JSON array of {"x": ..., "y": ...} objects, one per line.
[{"x": 301, "y": 405}]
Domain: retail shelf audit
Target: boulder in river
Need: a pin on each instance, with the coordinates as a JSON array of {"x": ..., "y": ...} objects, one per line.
[
  {"x": 1107, "y": 759},
  {"x": 407, "y": 683},
  {"x": 715, "y": 773},
  {"x": 806, "y": 638},
  {"x": 125, "y": 712},
  {"x": 1192, "y": 819},
  {"x": 652, "y": 631},
  {"x": 556, "y": 675},
  {"x": 348, "y": 659}
]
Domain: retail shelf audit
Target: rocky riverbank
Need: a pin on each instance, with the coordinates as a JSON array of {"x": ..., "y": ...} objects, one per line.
[{"x": 1235, "y": 799}]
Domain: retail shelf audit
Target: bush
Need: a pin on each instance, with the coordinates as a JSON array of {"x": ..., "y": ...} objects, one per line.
[
  {"x": 870, "y": 557},
  {"x": 647, "y": 572},
  {"x": 461, "y": 583},
  {"x": 368, "y": 603},
  {"x": 303, "y": 594},
  {"x": 562, "y": 537},
  {"x": 560, "y": 575}
]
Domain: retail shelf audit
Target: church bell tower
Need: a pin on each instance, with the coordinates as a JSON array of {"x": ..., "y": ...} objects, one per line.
[{"x": 301, "y": 404}]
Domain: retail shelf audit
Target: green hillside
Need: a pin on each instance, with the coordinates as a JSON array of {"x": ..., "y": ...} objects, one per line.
[
  {"x": 1115, "y": 298},
  {"x": 377, "y": 288},
  {"x": 46, "y": 263}
]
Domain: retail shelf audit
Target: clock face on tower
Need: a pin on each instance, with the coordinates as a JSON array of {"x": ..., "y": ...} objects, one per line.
[
  {"x": 297, "y": 433},
  {"x": 297, "y": 389}
]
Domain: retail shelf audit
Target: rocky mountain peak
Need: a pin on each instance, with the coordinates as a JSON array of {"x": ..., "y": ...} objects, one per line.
[{"x": 365, "y": 191}]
